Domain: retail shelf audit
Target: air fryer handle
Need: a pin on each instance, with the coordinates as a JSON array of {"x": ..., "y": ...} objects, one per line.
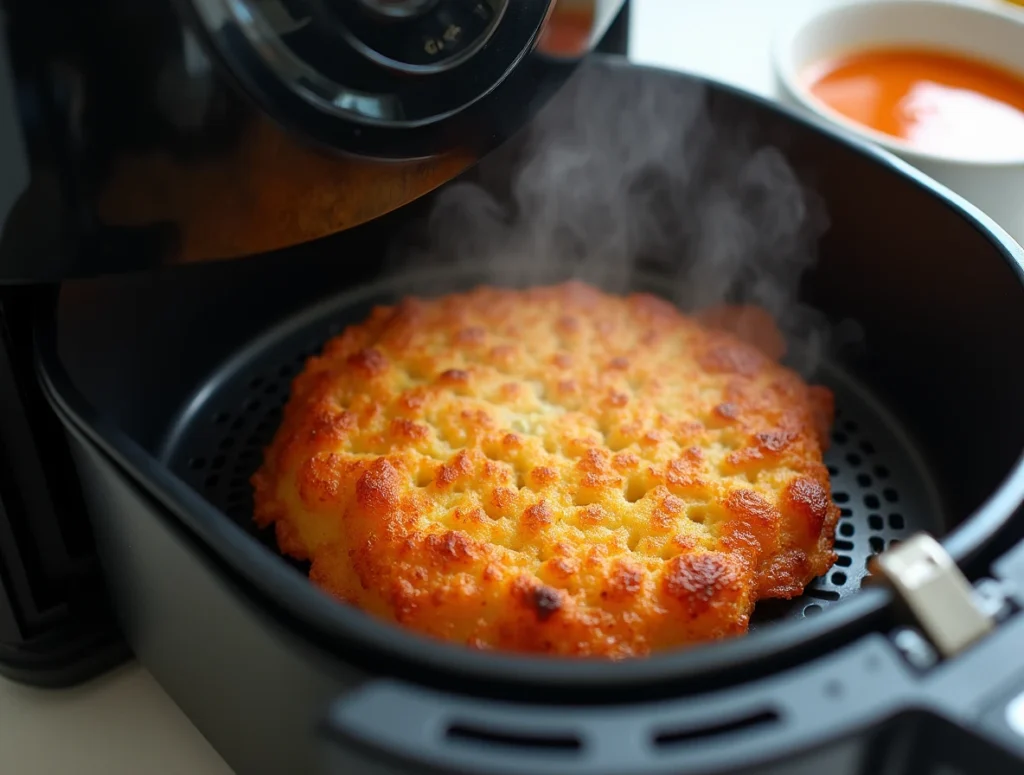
[
  {"x": 862, "y": 709},
  {"x": 387, "y": 727},
  {"x": 884, "y": 718}
]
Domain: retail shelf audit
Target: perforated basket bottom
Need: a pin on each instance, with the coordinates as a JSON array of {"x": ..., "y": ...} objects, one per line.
[{"x": 879, "y": 482}]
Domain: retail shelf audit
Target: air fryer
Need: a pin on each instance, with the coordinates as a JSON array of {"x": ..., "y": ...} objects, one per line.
[{"x": 905, "y": 657}]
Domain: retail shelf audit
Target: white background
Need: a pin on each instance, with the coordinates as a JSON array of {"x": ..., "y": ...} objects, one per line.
[{"x": 123, "y": 723}]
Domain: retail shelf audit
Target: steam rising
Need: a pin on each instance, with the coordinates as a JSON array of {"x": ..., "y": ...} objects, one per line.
[{"x": 625, "y": 176}]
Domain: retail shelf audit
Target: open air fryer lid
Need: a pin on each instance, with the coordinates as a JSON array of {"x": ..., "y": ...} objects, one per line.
[{"x": 176, "y": 133}]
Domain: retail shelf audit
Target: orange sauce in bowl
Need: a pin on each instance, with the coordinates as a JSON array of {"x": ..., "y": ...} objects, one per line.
[{"x": 936, "y": 102}]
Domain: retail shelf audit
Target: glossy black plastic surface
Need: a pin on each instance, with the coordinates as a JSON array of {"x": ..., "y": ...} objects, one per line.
[
  {"x": 936, "y": 329},
  {"x": 142, "y": 133}
]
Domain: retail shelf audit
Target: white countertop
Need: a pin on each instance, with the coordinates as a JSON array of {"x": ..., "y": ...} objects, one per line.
[{"x": 123, "y": 723}]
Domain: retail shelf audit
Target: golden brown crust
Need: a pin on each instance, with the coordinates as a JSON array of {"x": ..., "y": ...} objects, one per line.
[{"x": 554, "y": 470}]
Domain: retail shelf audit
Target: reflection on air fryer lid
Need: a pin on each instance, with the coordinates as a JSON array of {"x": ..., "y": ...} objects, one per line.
[{"x": 266, "y": 193}]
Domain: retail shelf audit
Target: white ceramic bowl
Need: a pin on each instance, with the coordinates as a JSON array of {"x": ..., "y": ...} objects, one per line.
[{"x": 983, "y": 31}]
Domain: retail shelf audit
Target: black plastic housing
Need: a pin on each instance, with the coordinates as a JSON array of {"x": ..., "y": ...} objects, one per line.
[
  {"x": 255, "y": 655},
  {"x": 143, "y": 133},
  {"x": 56, "y": 623}
]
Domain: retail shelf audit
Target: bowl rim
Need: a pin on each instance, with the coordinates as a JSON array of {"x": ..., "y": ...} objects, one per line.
[{"x": 787, "y": 76}]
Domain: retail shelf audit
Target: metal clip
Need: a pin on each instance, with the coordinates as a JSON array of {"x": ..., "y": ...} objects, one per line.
[{"x": 938, "y": 595}]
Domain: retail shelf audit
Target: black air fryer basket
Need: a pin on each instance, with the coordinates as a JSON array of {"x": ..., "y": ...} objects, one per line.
[{"x": 170, "y": 385}]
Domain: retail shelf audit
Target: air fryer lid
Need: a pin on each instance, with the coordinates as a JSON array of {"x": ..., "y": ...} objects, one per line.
[
  {"x": 206, "y": 130},
  {"x": 891, "y": 261}
]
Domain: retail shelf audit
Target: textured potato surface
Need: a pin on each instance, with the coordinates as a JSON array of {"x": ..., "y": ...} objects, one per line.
[{"x": 553, "y": 470}]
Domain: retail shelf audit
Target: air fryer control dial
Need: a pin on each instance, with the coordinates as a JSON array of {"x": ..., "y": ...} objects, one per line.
[{"x": 345, "y": 70}]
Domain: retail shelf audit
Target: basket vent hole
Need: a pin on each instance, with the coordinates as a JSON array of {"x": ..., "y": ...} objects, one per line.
[
  {"x": 471, "y": 733},
  {"x": 891, "y": 495},
  {"x": 872, "y": 502},
  {"x": 846, "y": 529},
  {"x": 845, "y": 512},
  {"x": 881, "y": 472},
  {"x": 221, "y": 418},
  {"x": 839, "y": 578},
  {"x": 255, "y": 383},
  {"x": 227, "y": 442},
  {"x": 867, "y": 448},
  {"x": 851, "y": 426},
  {"x": 238, "y": 424},
  {"x": 875, "y": 522},
  {"x": 843, "y": 546},
  {"x": 197, "y": 463},
  {"x": 864, "y": 480},
  {"x": 844, "y": 561},
  {"x": 211, "y": 481},
  {"x": 877, "y": 544},
  {"x": 813, "y": 609},
  {"x": 218, "y": 462},
  {"x": 840, "y": 438},
  {"x": 833, "y": 471},
  {"x": 854, "y": 459},
  {"x": 841, "y": 497},
  {"x": 896, "y": 521}
]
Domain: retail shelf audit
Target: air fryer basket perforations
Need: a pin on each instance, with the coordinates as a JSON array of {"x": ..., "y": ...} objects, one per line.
[{"x": 878, "y": 481}]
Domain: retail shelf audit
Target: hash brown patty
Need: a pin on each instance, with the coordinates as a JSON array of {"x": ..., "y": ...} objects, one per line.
[{"x": 554, "y": 470}]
